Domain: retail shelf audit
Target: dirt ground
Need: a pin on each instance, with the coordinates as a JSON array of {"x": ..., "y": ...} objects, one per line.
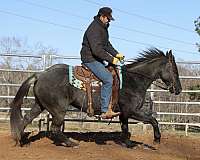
[{"x": 102, "y": 146}]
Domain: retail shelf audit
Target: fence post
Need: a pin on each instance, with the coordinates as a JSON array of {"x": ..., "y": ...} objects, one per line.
[
  {"x": 8, "y": 100},
  {"x": 186, "y": 129},
  {"x": 44, "y": 61}
]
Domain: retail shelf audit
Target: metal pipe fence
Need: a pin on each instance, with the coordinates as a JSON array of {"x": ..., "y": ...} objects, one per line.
[{"x": 50, "y": 58}]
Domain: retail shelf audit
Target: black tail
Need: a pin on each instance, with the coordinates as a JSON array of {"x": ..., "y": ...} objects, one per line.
[{"x": 16, "y": 118}]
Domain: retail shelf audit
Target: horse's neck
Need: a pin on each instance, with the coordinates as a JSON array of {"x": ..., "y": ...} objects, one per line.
[{"x": 144, "y": 74}]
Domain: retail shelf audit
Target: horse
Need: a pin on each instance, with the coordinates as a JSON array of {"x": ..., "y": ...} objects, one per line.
[{"x": 54, "y": 93}]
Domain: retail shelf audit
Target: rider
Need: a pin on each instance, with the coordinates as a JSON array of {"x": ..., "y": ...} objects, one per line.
[{"x": 96, "y": 48}]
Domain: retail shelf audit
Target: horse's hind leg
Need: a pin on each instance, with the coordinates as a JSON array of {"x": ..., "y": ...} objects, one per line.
[
  {"x": 28, "y": 118},
  {"x": 56, "y": 134},
  {"x": 148, "y": 118}
]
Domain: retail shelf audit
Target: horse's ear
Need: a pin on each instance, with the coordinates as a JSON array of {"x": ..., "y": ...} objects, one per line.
[{"x": 169, "y": 54}]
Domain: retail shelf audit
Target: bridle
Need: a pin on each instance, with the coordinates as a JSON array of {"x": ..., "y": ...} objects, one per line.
[
  {"x": 157, "y": 83},
  {"x": 171, "y": 61}
]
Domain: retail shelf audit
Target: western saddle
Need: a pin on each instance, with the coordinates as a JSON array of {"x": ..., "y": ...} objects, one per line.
[{"x": 83, "y": 74}]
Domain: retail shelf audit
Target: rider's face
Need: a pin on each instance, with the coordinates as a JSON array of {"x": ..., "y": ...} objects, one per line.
[{"x": 105, "y": 19}]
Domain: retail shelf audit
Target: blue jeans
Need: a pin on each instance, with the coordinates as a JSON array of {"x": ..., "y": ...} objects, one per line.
[{"x": 105, "y": 76}]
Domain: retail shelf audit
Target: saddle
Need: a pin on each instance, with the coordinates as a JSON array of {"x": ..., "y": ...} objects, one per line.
[{"x": 83, "y": 74}]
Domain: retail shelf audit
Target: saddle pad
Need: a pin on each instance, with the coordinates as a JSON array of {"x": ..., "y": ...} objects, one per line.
[{"x": 79, "y": 84}]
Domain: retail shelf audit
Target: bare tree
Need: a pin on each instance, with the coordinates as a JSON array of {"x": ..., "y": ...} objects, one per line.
[
  {"x": 197, "y": 29},
  {"x": 10, "y": 46}
]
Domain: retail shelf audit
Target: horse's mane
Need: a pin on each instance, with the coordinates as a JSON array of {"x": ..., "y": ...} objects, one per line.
[{"x": 147, "y": 55}]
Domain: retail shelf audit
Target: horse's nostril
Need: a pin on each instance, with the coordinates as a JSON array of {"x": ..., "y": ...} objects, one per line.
[
  {"x": 171, "y": 89},
  {"x": 177, "y": 93}
]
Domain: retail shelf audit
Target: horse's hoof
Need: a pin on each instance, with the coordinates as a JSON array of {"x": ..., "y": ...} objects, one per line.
[
  {"x": 156, "y": 141},
  {"x": 90, "y": 114},
  {"x": 24, "y": 140},
  {"x": 129, "y": 143},
  {"x": 125, "y": 135},
  {"x": 71, "y": 144},
  {"x": 67, "y": 143}
]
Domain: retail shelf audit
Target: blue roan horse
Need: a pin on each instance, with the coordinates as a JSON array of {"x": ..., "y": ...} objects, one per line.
[{"x": 53, "y": 92}]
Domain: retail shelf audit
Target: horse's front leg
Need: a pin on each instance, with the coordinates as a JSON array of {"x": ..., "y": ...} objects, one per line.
[
  {"x": 125, "y": 136},
  {"x": 148, "y": 118},
  {"x": 156, "y": 129}
]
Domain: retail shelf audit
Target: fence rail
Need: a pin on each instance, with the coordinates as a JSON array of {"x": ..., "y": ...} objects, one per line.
[{"x": 152, "y": 91}]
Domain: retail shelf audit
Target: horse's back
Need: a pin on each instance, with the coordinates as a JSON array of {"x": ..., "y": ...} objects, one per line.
[
  {"x": 53, "y": 79},
  {"x": 57, "y": 66},
  {"x": 52, "y": 88}
]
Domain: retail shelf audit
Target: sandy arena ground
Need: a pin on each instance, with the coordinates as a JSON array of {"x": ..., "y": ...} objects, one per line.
[{"x": 102, "y": 146}]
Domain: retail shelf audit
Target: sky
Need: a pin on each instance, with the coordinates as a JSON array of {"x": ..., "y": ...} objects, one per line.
[{"x": 138, "y": 25}]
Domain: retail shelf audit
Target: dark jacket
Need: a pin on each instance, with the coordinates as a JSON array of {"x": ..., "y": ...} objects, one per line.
[{"x": 96, "y": 45}]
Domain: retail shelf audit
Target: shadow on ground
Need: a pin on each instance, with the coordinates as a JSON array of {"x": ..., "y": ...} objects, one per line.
[{"x": 99, "y": 138}]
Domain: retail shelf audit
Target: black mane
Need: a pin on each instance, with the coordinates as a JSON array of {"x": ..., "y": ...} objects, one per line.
[{"x": 148, "y": 55}]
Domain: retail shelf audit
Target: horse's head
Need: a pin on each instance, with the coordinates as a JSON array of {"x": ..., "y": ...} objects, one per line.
[{"x": 169, "y": 74}]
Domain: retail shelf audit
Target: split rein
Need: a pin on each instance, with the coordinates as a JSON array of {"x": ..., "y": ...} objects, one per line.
[{"x": 160, "y": 84}]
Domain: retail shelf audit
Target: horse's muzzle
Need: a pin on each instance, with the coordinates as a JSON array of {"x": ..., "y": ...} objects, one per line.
[
  {"x": 171, "y": 89},
  {"x": 175, "y": 89},
  {"x": 178, "y": 91}
]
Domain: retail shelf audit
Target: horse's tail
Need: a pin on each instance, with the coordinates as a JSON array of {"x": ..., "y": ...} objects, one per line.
[{"x": 16, "y": 118}]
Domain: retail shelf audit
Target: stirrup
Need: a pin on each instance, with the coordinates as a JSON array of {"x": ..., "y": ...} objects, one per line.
[{"x": 109, "y": 115}]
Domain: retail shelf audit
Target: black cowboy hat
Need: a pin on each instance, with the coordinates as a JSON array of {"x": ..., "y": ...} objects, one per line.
[{"x": 106, "y": 11}]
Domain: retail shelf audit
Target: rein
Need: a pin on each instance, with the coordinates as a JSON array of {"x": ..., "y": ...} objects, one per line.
[
  {"x": 162, "y": 87},
  {"x": 159, "y": 85}
]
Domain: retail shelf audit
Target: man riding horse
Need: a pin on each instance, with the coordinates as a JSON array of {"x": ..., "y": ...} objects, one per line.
[
  {"x": 54, "y": 92},
  {"x": 96, "y": 48}
]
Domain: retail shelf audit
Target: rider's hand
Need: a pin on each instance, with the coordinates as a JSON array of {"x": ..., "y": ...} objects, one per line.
[
  {"x": 115, "y": 60},
  {"x": 120, "y": 56}
]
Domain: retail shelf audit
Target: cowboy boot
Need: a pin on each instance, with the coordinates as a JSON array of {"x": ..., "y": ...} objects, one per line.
[{"x": 109, "y": 114}]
